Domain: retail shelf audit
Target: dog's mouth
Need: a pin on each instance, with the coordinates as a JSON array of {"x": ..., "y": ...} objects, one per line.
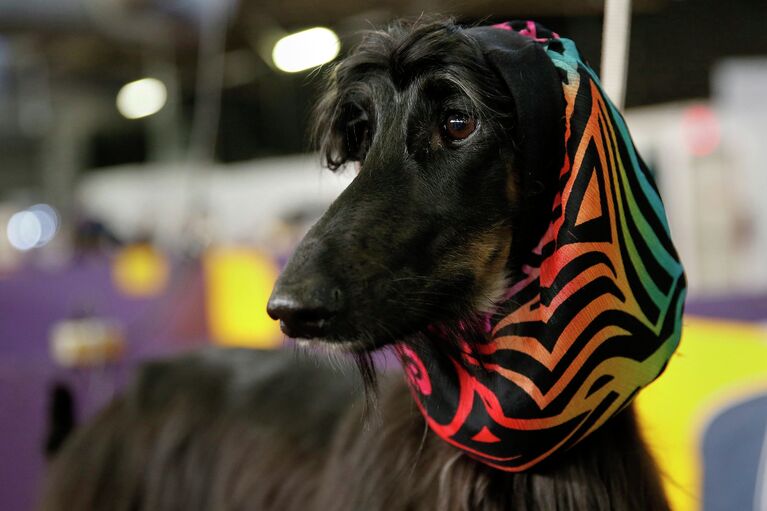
[
  {"x": 319, "y": 329},
  {"x": 356, "y": 330},
  {"x": 319, "y": 326},
  {"x": 331, "y": 334},
  {"x": 338, "y": 346}
]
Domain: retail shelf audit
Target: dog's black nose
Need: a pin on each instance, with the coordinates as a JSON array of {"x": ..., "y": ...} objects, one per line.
[{"x": 305, "y": 310}]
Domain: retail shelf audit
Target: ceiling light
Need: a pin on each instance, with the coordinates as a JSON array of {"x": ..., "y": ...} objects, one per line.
[
  {"x": 306, "y": 49},
  {"x": 142, "y": 98}
]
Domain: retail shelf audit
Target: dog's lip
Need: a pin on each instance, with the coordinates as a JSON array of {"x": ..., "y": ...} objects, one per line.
[
  {"x": 341, "y": 346},
  {"x": 325, "y": 334},
  {"x": 308, "y": 329}
]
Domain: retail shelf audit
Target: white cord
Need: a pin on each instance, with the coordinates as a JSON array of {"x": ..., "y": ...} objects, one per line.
[
  {"x": 616, "y": 33},
  {"x": 214, "y": 20}
]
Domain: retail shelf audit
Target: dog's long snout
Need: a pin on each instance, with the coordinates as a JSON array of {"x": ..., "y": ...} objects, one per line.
[{"x": 305, "y": 309}]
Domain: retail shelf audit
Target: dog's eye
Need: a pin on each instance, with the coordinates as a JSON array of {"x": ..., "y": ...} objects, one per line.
[{"x": 458, "y": 126}]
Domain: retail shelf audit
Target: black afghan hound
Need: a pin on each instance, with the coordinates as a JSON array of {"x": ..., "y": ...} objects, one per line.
[{"x": 417, "y": 254}]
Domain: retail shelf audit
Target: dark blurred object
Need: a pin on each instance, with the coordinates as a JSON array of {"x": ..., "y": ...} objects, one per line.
[
  {"x": 94, "y": 236},
  {"x": 112, "y": 147},
  {"x": 733, "y": 464},
  {"x": 61, "y": 418},
  {"x": 219, "y": 429}
]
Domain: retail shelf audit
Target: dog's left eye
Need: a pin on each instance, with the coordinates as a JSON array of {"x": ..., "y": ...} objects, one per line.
[{"x": 458, "y": 126}]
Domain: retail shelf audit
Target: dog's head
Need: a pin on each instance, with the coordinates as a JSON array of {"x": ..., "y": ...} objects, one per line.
[
  {"x": 485, "y": 154},
  {"x": 428, "y": 229}
]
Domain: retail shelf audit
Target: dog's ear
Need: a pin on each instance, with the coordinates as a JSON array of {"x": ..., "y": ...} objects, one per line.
[
  {"x": 535, "y": 88},
  {"x": 326, "y": 136}
]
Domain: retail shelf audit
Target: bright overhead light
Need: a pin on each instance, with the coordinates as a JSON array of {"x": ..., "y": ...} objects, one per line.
[
  {"x": 306, "y": 49},
  {"x": 142, "y": 98}
]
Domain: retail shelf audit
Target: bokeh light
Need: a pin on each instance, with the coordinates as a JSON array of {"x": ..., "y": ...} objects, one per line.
[
  {"x": 49, "y": 221},
  {"x": 142, "y": 98},
  {"x": 32, "y": 228},
  {"x": 701, "y": 130},
  {"x": 306, "y": 49},
  {"x": 24, "y": 230}
]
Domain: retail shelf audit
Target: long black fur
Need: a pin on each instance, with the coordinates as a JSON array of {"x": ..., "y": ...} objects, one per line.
[{"x": 227, "y": 430}]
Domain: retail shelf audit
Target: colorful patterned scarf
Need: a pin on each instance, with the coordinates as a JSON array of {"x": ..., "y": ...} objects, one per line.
[{"x": 596, "y": 312}]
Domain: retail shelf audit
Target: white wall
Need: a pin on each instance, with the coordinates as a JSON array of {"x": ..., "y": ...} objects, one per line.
[{"x": 237, "y": 203}]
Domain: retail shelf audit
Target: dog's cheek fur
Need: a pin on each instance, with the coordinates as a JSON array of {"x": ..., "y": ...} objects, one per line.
[
  {"x": 484, "y": 261},
  {"x": 490, "y": 260},
  {"x": 488, "y": 254}
]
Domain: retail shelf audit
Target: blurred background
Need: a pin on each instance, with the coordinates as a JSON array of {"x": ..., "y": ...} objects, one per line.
[{"x": 155, "y": 173}]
